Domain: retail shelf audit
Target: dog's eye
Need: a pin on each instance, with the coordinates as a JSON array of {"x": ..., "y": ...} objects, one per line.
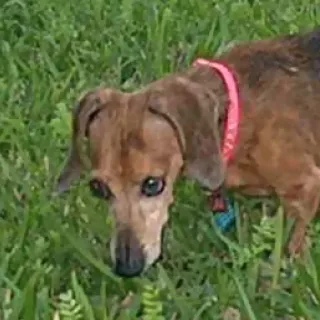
[
  {"x": 152, "y": 186},
  {"x": 99, "y": 189}
]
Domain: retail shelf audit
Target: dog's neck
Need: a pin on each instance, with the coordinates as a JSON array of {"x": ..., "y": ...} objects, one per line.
[{"x": 210, "y": 79}]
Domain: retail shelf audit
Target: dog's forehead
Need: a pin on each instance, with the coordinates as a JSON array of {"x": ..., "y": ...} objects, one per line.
[
  {"x": 145, "y": 162},
  {"x": 139, "y": 155},
  {"x": 129, "y": 142}
]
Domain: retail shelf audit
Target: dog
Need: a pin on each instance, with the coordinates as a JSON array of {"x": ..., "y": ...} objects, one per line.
[{"x": 140, "y": 142}]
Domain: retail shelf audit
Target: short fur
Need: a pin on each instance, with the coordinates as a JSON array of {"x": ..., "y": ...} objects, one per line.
[{"x": 174, "y": 126}]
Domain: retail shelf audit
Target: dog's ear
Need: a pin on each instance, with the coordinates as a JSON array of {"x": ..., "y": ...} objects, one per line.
[
  {"x": 88, "y": 107},
  {"x": 192, "y": 112}
]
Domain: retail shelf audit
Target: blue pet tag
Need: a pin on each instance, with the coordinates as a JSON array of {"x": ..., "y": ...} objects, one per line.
[{"x": 225, "y": 218}]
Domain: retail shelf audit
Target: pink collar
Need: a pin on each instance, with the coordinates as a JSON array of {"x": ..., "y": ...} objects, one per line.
[{"x": 233, "y": 117}]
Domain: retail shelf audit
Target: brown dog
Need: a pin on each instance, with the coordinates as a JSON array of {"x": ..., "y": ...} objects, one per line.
[{"x": 140, "y": 142}]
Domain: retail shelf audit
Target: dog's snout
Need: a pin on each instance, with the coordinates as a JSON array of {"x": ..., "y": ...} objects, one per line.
[{"x": 130, "y": 260}]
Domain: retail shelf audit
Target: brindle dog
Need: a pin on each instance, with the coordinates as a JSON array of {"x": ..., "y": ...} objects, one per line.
[{"x": 140, "y": 142}]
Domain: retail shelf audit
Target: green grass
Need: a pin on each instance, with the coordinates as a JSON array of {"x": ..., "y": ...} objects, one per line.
[{"x": 54, "y": 258}]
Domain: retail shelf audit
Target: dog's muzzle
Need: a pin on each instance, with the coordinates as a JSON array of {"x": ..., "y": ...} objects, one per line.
[{"x": 129, "y": 256}]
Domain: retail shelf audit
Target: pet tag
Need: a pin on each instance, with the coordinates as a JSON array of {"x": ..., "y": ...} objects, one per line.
[{"x": 223, "y": 211}]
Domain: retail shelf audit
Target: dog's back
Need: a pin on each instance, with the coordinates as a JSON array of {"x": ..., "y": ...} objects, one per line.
[
  {"x": 292, "y": 55},
  {"x": 281, "y": 75}
]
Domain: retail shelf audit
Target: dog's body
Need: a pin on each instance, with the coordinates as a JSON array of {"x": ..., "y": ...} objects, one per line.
[{"x": 175, "y": 124}]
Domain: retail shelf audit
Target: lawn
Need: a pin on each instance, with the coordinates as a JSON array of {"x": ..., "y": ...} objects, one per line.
[{"x": 54, "y": 256}]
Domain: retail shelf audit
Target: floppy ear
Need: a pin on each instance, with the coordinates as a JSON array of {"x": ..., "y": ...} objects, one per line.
[
  {"x": 84, "y": 112},
  {"x": 192, "y": 111}
]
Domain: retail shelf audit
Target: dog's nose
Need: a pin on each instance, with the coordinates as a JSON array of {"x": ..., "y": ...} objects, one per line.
[
  {"x": 130, "y": 259},
  {"x": 129, "y": 270}
]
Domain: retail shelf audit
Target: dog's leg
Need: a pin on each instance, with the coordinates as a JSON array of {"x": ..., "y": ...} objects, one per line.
[
  {"x": 301, "y": 201},
  {"x": 284, "y": 158},
  {"x": 298, "y": 188}
]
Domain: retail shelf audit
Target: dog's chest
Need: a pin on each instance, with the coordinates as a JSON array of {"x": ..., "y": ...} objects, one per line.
[
  {"x": 242, "y": 173},
  {"x": 239, "y": 174}
]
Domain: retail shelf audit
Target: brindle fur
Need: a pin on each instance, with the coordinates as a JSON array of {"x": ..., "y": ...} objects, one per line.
[{"x": 174, "y": 125}]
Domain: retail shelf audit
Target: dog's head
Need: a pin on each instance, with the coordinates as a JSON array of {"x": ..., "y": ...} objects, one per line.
[{"x": 138, "y": 145}]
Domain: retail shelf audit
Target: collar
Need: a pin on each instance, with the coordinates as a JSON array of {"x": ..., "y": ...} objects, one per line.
[{"x": 233, "y": 112}]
